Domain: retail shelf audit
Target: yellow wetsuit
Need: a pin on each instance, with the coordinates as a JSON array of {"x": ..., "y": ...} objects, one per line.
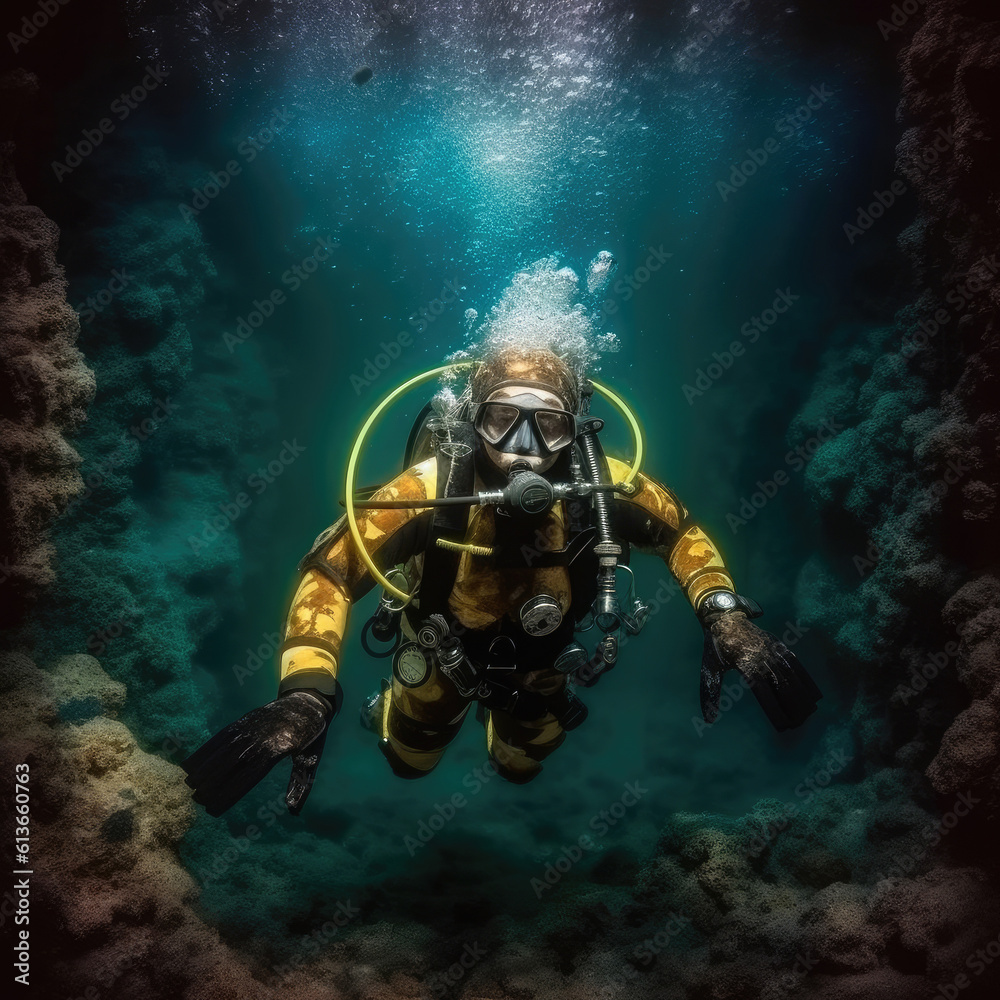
[{"x": 419, "y": 721}]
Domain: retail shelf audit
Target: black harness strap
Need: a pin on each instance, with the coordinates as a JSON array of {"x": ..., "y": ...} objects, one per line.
[{"x": 457, "y": 474}]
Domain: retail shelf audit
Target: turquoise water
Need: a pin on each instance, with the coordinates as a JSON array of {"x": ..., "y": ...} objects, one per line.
[{"x": 479, "y": 146}]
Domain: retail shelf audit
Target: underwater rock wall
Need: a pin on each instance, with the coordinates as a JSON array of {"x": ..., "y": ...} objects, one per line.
[
  {"x": 912, "y": 600},
  {"x": 822, "y": 902},
  {"x": 108, "y": 885},
  {"x": 107, "y": 815},
  {"x": 144, "y": 575},
  {"x": 48, "y": 386},
  {"x": 957, "y": 249}
]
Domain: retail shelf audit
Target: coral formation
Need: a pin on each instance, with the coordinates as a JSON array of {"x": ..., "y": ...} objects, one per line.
[{"x": 48, "y": 385}]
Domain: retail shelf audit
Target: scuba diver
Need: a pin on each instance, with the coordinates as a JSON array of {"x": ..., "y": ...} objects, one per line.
[{"x": 510, "y": 528}]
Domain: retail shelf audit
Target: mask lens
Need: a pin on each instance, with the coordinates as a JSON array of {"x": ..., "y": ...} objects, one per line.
[
  {"x": 555, "y": 428},
  {"x": 496, "y": 421}
]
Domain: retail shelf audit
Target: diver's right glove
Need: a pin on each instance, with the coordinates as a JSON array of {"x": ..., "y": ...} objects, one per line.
[
  {"x": 783, "y": 689},
  {"x": 228, "y": 765}
]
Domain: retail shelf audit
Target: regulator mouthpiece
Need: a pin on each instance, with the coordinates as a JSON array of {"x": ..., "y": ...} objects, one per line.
[{"x": 527, "y": 492}]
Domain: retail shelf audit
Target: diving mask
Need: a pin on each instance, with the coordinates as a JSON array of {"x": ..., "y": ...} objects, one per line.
[{"x": 524, "y": 425}]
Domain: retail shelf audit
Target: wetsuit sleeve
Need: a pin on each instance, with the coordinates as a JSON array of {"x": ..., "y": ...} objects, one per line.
[
  {"x": 655, "y": 520},
  {"x": 333, "y": 576}
]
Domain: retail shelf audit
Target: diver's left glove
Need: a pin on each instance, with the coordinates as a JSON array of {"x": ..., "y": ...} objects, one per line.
[
  {"x": 783, "y": 689},
  {"x": 225, "y": 768}
]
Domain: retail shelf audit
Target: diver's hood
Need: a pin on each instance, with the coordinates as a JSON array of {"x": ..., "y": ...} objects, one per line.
[{"x": 537, "y": 367}]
